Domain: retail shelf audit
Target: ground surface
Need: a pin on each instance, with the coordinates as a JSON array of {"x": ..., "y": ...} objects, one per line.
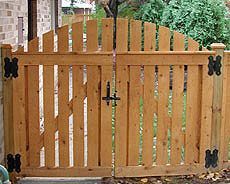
[{"x": 221, "y": 177}]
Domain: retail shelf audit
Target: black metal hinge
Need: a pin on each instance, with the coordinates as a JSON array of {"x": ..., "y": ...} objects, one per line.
[
  {"x": 109, "y": 98},
  {"x": 214, "y": 65},
  {"x": 11, "y": 67},
  {"x": 14, "y": 163},
  {"x": 211, "y": 158}
]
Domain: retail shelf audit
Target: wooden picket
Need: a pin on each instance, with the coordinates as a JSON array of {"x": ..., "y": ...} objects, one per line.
[{"x": 162, "y": 122}]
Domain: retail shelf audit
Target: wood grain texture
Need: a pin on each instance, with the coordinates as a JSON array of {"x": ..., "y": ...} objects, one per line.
[
  {"x": 33, "y": 108},
  {"x": 93, "y": 98},
  {"x": 106, "y": 111},
  {"x": 78, "y": 116},
  {"x": 206, "y": 113},
  {"x": 77, "y": 36},
  {"x": 122, "y": 76},
  {"x": 149, "y": 36},
  {"x": 63, "y": 101},
  {"x": 162, "y": 121},
  {"x": 148, "y": 116},
  {"x": 48, "y": 98},
  {"x": 164, "y": 39},
  {"x": 192, "y": 115}
]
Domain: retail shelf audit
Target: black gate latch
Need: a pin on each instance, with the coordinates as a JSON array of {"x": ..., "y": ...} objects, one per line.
[
  {"x": 11, "y": 68},
  {"x": 14, "y": 163},
  {"x": 108, "y": 98},
  {"x": 211, "y": 158},
  {"x": 214, "y": 65}
]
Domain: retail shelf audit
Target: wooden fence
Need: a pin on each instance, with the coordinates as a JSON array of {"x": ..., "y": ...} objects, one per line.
[{"x": 169, "y": 113}]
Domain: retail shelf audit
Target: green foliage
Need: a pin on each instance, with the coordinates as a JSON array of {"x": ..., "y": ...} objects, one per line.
[
  {"x": 206, "y": 21},
  {"x": 151, "y": 11}
]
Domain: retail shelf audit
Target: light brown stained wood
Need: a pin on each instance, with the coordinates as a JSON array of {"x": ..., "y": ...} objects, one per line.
[
  {"x": 149, "y": 109},
  {"x": 92, "y": 35},
  {"x": 48, "y": 100},
  {"x": 77, "y": 36},
  {"x": 162, "y": 119},
  {"x": 164, "y": 38},
  {"x": 78, "y": 116},
  {"x": 206, "y": 113},
  {"x": 93, "y": 115},
  {"x": 93, "y": 98},
  {"x": 122, "y": 35},
  {"x": 135, "y": 88},
  {"x": 106, "y": 111},
  {"x": 121, "y": 116},
  {"x": 135, "y": 35},
  {"x": 134, "y": 97},
  {"x": 193, "y": 45},
  {"x": 227, "y": 115},
  {"x": 63, "y": 101},
  {"x": 19, "y": 115},
  {"x": 67, "y": 172},
  {"x": 149, "y": 36},
  {"x": 218, "y": 107},
  {"x": 192, "y": 115},
  {"x": 159, "y": 170},
  {"x": 177, "y": 102},
  {"x": 178, "y": 42},
  {"x": 78, "y": 99},
  {"x": 122, "y": 76},
  {"x": 9, "y": 134},
  {"x": 33, "y": 108},
  {"x": 177, "y": 112},
  {"x": 107, "y": 34}
]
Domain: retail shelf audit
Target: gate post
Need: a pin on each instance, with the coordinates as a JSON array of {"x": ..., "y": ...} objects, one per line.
[
  {"x": 7, "y": 103},
  {"x": 218, "y": 109}
]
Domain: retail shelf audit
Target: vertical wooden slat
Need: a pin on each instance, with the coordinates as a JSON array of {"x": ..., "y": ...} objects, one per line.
[
  {"x": 192, "y": 115},
  {"x": 227, "y": 114},
  {"x": 149, "y": 36},
  {"x": 178, "y": 41},
  {"x": 122, "y": 92},
  {"x": 218, "y": 105},
  {"x": 48, "y": 97},
  {"x": 93, "y": 98},
  {"x": 177, "y": 103},
  {"x": 8, "y": 110},
  {"x": 177, "y": 111},
  {"x": 78, "y": 99},
  {"x": 162, "y": 123},
  {"x": 148, "y": 115},
  {"x": 193, "y": 45},
  {"x": 78, "y": 116},
  {"x": 77, "y": 36},
  {"x": 134, "y": 97},
  {"x": 19, "y": 115},
  {"x": 63, "y": 100},
  {"x": 33, "y": 108},
  {"x": 106, "y": 111},
  {"x": 206, "y": 113},
  {"x": 164, "y": 39}
]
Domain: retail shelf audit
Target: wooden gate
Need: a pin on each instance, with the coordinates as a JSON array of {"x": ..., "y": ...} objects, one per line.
[{"x": 169, "y": 113}]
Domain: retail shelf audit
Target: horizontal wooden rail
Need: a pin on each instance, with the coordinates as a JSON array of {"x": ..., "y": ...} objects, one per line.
[
  {"x": 67, "y": 172},
  {"x": 163, "y": 59},
  {"x": 64, "y": 59},
  {"x": 159, "y": 170}
]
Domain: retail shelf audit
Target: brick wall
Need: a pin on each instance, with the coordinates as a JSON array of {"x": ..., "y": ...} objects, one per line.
[{"x": 11, "y": 10}]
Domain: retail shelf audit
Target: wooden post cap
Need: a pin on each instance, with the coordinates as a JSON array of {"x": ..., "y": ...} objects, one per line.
[{"x": 218, "y": 46}]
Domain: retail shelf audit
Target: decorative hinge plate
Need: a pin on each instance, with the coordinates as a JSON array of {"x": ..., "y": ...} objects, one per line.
[
  {"x": 11, "y": 67},
  {"x": 214, "y": 66},
  {"x": 14, "y": 163},
  {"x": 211, "y": 158}
]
